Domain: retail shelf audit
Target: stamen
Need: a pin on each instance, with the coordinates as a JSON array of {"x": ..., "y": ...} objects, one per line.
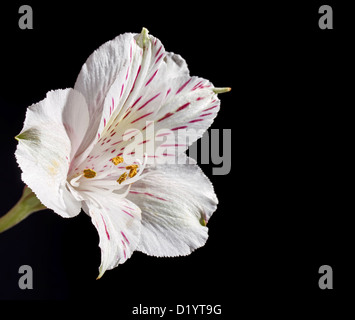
[
  {"x": 132, "y": 166},
  {"x": 74, "y": 181},
  {"x": 117, "y": 160},
  {"x": 124, "y": 194},
  {"x": 89, "y": 173},
  {"x": 133, "y": 170},
  {"x": 122, "y": 178},
  {"x": 132, "y": 173}
]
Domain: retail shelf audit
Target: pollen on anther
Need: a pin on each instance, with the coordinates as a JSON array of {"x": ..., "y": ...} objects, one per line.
[
  {"x": 122, "y": 178},
  {"x": 89, "y": 173},
  {"x": 133, "y": 170},
  {"x": 117, "y": 160}
]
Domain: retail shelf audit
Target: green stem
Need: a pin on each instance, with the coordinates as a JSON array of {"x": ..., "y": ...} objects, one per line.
[{"x": 27, "y": 204}]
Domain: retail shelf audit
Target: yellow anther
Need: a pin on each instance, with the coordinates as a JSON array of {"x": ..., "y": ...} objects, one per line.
[
  {"x": 132, "y": 173},
  {"x": 133, "y": 170},
  {"x": 117, "y": 160},
  {"x": 89, "y": 173},
  {"x": 122, "y": 178},
  {"x": 133, "y": 166}
]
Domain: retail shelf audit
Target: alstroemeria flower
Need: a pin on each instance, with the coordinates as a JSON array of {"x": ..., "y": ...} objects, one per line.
[{"x": 71, "y": 150}]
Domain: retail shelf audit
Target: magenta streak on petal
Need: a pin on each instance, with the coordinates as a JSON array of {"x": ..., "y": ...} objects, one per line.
[
  {"x": 183, "y": 107},
  {"x": 127, "y": 73},
  {"x": 107, "y": 234},
  {"x": 98, "y": 135},
  {"x": 196, "y": 86},
  {"x": 124, "y": 248},
  {"x": 206, "y": 114},
  {"x": 183, "y": 86},
  {"x": 135, "y": 102},
  {"x": 126, "y": 115},
  {"x": 124, "y": 236},
  {"x": 143, "y": 142},
  {"x": 148, "y": 194},
  {"x": 163, "y": 134},
  {"x": 143, "y": 116},
  {"x": 159, "y": 57},
  {"x": 177, "y": 128},
  {"x": 150, "y": 123},
  {"x": 104, "y": 122},
  {"x": 127, "y": 213},
  {"x": 210, "y": 108},
  {"x": 113, "y": 150},
  {"x": 130, "y": 53},
  {"x": 152, "y": 77},
  {"x": 150, "y": 100},
  {"x": 168, "y": 92},
  {"x": 122, "y": 90},
  {"x": 113, "y": 144},
  {"x": 173, "y": 145},
  {"x": 169, "y": 114},
  {"x": 195, "y": 120},
  {"x": 158, "y": 51},
  {"x": 128, "y": 207},
  {"x": 129, "y": 132},
  {"x": 134, "y": 83},
  {"x": 200, "y": 98}
]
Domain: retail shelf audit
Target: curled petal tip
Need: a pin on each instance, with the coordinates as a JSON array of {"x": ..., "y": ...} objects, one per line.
[
  {"x": 100, "y": 274},
  {"x": 221, "y": 90}
]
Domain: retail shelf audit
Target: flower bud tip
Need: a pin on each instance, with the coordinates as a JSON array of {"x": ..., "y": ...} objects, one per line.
[{"x": 221, "y": 90}]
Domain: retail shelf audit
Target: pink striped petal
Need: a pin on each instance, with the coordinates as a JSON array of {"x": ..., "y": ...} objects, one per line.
[
  {"x": 118, "y": 222},
  {"x": 173, "y": 219}
]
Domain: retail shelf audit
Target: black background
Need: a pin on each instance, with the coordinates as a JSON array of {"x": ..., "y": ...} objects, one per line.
[{"x": 285, "y": 206}]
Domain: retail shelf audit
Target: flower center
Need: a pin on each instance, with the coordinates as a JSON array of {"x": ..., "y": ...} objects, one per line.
[{"x": 111, "y": 177}]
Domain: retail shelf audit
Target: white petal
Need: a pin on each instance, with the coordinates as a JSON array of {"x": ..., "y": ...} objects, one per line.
[
  {"x": 176, "y": 202},
  {"x": 96, "y": 77},
  {"x": 147, "y": 84},
  {"x": 118, "y": 223},
  {"x": 44, "y": 149}
]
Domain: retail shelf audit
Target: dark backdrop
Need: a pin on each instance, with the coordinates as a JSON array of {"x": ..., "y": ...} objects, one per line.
[{"x": 285, "y": 206}]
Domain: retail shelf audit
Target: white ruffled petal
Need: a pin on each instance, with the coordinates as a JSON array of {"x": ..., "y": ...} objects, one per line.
[
  {"x": 118, "y": 222},
  {"x": 45, "y": 147},
  {"x": 176, "y": 202},
  {"x": 144, "y": 86}
]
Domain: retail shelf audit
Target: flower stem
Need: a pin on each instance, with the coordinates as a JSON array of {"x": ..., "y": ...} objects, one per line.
[{"x": 27, "y": 204}]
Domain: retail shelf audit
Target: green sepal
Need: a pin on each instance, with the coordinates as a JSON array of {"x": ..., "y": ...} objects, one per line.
[{"x": 27, "y": 204}]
